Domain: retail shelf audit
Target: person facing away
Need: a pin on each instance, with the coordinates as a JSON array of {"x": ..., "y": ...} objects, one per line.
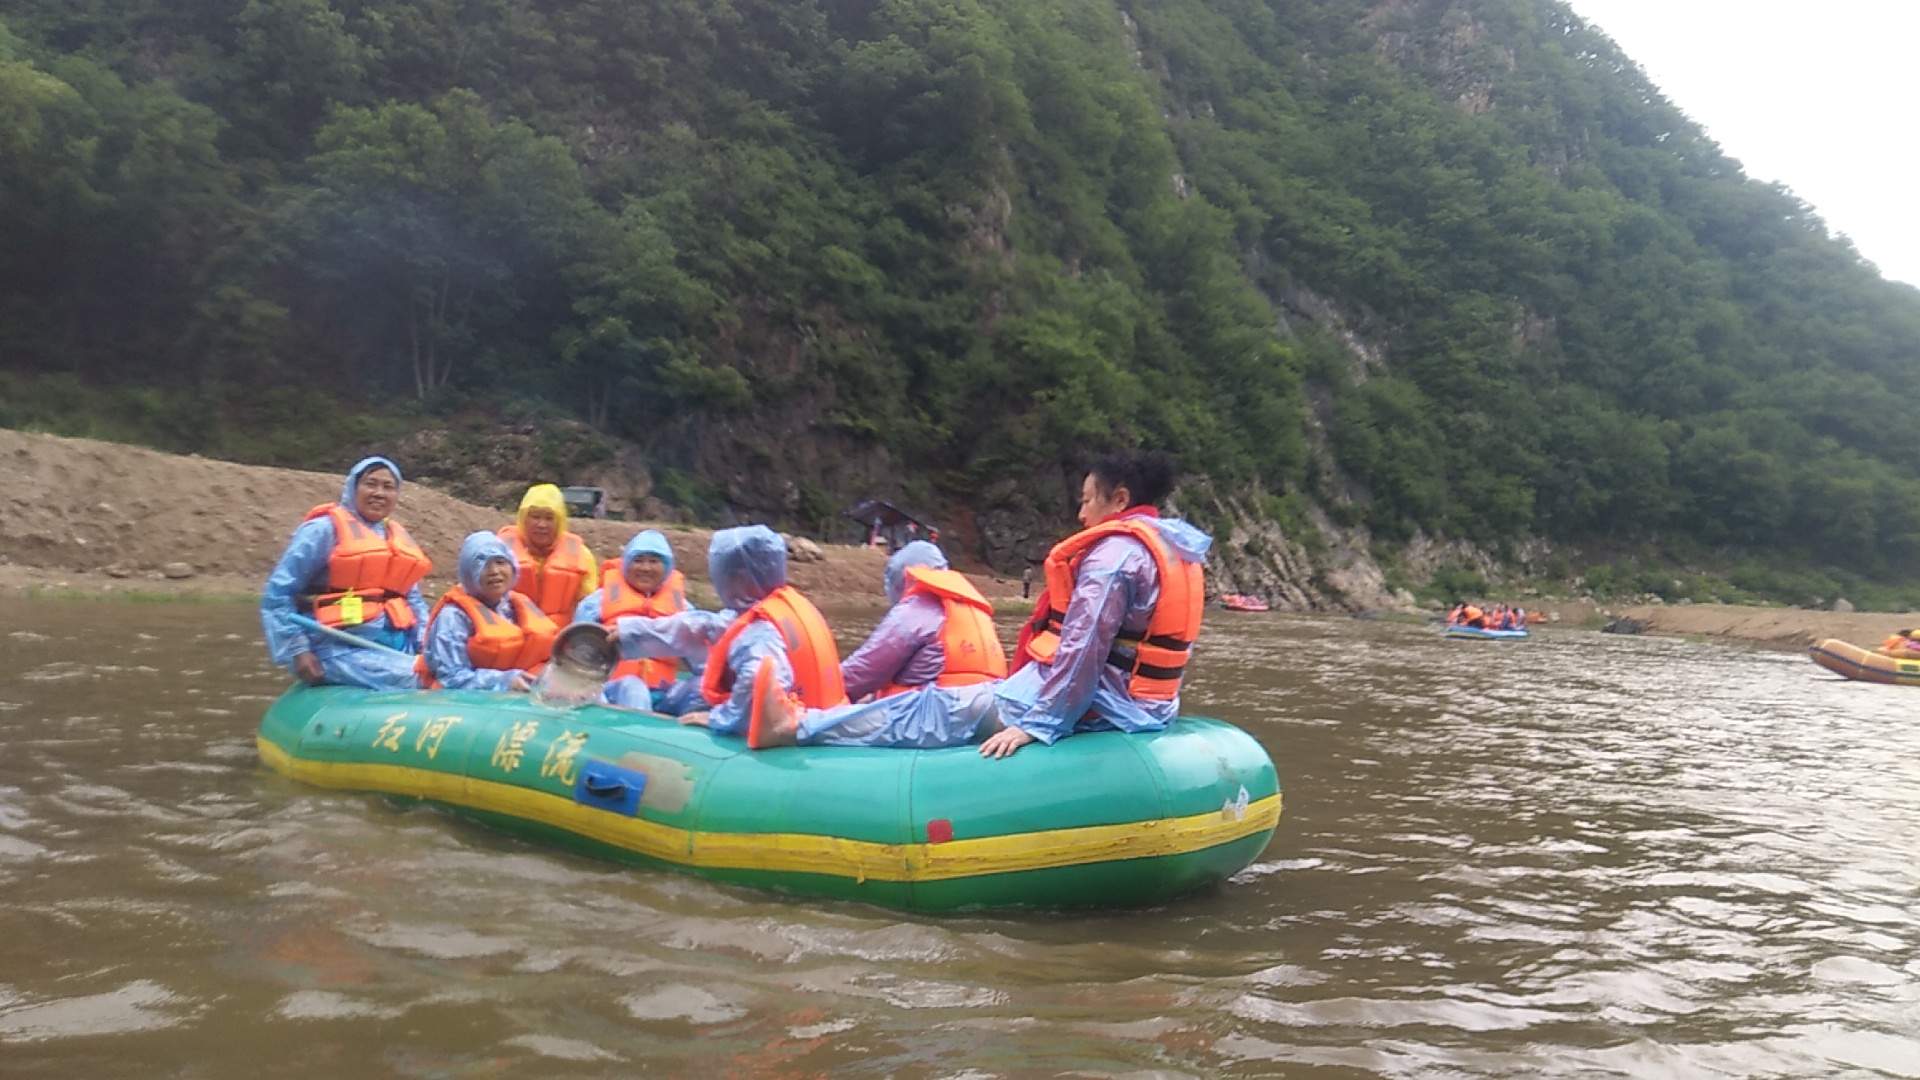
[
  {"x": 939, "y": 629},
  {"x": 1107, "y": 648},
  {"x": 482, "y": 634},
  {"x": 643, "y": 582},
  {"x": 768, "y": 630},
  {"x": 557, "y": 570},
  {"x": 353, "y": 569}
]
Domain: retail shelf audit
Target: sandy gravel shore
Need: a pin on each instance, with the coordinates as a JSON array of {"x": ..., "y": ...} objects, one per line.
[
  {"x": 1786, "y": 628},
  {"x": 93, "y": 518},
  {"x": 85, "y": 518}
]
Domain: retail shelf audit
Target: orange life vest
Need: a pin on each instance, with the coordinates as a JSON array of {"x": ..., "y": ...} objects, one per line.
[
  {"x": 553, "y": 584},
  {"x": 973, "y": 652},
  {"x": 367, "y": 574},
  {"x": 523, "y": 644},
  {"x": 1901, "y": 644},
  {"x": 810, "y": 650},
  {"x": 618, "y": 599},
  {"x": 1157, "y": 659}
]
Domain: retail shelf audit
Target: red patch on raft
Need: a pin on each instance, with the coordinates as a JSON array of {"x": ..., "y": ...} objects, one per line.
[{"x": 939, "y": 831}]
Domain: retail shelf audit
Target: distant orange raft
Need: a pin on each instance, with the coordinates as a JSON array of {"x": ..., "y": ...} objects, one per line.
[{"x": 1866, "y": 665}]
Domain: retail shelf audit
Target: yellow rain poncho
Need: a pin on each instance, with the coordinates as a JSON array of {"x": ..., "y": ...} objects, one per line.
[{"x": 564, "y": 574}]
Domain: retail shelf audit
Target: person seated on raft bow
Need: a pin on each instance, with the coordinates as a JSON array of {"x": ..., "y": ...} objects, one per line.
[
  {"x": 768, "y": 630},
  {"x": 483, "y": 635},
  {"x": 557, "y": 570},
  {"x": 643, "y": 582},
  {"x": 353, "y": 569},
  {"x": 1107, "y": 648},
  {"x": 939, "y": 630}
]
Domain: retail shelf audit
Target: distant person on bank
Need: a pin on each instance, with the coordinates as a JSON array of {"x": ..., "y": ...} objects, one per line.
[
  {"x": 557, "y": 570},
  {"x": 482, "y": 634},
  {"x": 1107, "y": 647},
  {"x": 768, "y": 631},
  {"x": 940, "y": 629},
  {"x": 351, "y": 568},
  {"x": 644, "y": 583}
]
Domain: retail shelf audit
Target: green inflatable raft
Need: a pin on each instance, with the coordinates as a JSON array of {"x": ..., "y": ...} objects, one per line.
[{"x": 1098, "y": 820}]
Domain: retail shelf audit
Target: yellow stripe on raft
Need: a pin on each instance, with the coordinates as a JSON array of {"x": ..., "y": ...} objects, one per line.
[{"x": 798, "y": 853}]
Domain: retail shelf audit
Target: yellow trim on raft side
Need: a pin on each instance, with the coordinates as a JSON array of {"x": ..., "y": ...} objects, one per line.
[{"x": 799, "y": 853}]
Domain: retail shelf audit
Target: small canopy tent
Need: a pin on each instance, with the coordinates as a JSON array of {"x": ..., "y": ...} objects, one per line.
[{"x": 887, "y": 524}]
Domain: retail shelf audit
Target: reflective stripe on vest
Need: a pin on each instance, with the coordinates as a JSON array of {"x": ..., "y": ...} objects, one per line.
[
  {"x": 523, "y": 643},
  {"x": 814, "y": 657},
  {"x": 618, "y": 599},
  {"x": 971, "y": 648},
  {"x": 1157, "y": 659},
  {"x": 554, "y": 583},
  {"x": 368, "y": 574}
]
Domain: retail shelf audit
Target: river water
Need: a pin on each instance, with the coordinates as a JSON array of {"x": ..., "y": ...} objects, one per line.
[{"x": 1573, "y": 856}]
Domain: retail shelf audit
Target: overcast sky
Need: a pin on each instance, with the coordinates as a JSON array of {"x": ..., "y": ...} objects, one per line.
[{"x": 1823, "y": 97}]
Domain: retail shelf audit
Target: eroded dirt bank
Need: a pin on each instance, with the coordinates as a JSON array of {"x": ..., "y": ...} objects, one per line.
[{"x": 92, "y": 517}]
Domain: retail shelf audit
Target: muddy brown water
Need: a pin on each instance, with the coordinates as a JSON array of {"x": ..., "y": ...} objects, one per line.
[{"x": 1574, "y": 856}]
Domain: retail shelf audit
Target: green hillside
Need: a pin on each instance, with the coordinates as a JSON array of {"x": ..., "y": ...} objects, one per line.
[{"x": 1449, "y": 267}]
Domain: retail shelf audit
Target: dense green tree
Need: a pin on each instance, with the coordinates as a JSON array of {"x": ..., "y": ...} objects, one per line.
[{"x": 1457, "y": 259}]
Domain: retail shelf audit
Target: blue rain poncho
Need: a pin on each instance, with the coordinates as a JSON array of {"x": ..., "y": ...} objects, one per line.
[
  {"x": 302, "y": 571},
  {"x": 630, "y": 691},
  {"x": 905, "y": 648},
  {"x": 745, "y": 564},
  {"x": 1115, "y": 588},
  {"x": 648, "y": 542},
  {"x": 447, "y": 655}
]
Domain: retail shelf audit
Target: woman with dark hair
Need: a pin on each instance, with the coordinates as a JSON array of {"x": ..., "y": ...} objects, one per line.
[{"x": 1110, "y": 637}]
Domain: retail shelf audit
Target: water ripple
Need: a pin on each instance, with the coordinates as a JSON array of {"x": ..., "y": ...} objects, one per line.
[{"x": 1579, "y": 856}]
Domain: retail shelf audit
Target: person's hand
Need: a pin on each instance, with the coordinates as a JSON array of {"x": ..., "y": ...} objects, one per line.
[
  {"x": 520, "y": 683},
  {"x": 306, "y": 667},
  {"x": 694, "y": 719},
  {"x": 1004, "y": 742}
]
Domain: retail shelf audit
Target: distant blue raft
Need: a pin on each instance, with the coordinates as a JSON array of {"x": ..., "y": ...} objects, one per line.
[{"x": 1475, "y": 632}]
